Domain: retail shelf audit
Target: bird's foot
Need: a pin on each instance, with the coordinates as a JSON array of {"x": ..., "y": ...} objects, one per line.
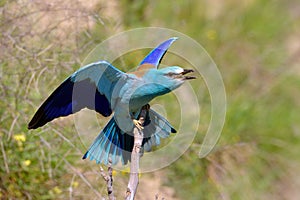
[
  {"x": 146, "y": 107},
  {"x": 138, "y": 124}
]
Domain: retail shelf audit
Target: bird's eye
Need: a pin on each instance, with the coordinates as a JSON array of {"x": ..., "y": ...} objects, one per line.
[{"x": 170, "y": 74}]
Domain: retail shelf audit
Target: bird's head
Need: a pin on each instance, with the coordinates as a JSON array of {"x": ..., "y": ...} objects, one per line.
[
  {"x": 172, "y": 77},
  {"x": 176, "y": 73}
]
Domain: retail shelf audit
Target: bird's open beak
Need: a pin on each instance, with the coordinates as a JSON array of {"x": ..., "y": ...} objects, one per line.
[{"x": 186, "y": 71}]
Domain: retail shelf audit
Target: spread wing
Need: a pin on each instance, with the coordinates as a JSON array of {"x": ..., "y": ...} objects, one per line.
[
  {"x": 89, "y": 87},
  {"x": 155, "y": 56}
]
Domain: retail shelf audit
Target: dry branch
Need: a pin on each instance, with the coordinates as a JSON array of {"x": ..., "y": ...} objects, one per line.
[
  {"x": 135, "y": 157},
  {"x": 109, "y": 180}
]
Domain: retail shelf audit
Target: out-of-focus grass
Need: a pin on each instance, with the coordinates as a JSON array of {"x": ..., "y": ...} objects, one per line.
[
  {"x": 260, "y": 140},
  {"x": 249, "y": 41}
]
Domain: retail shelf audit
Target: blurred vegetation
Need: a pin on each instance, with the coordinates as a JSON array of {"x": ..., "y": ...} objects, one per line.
[{"x": 255, "y": 44}]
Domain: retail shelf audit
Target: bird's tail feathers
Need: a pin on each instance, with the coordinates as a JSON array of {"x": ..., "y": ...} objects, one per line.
[
  {"x": 156, "y": 127},
  {"x": 112, "y": 143}
]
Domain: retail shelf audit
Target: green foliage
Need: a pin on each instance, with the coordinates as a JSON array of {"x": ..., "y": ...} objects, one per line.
[
  {"x": 36, "y": 164},
  {"x": 248, "y": 41}
]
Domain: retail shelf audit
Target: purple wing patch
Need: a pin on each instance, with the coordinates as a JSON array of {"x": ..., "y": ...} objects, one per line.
[
  {"x": 155, "y": 56},
  {"x": 69, "y": 98}
]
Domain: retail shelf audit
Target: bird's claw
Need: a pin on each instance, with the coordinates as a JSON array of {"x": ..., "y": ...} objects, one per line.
[
  {"x": 146, "y": 107},
  {"x": 138, "y": 124}
]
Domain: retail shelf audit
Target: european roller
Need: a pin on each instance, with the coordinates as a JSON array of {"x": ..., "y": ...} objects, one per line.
[{"x": 102, "y": 87}]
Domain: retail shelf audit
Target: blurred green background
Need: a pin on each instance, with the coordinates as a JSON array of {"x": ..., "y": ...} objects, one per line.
[{"x": 256, "y": 46}]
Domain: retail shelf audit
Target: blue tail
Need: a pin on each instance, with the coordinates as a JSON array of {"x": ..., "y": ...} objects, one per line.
[{"x": 112, "y": 143}]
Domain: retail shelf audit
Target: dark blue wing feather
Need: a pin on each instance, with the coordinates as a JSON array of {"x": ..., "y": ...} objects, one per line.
[
  {"x": 89, "y": 87},
  {"x": 155, "y": 56},
  {"x": 70, "y": 98}
]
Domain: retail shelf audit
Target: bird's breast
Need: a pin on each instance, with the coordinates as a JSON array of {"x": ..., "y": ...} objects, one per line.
[
  {"x": 137, "y": 93},
  {"x": 145, "y": 93}
]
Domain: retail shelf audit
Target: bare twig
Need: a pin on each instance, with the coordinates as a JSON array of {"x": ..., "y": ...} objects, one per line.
[
  {"x": 135, "y": 157},
  {"x": 71, "y": 187},
  {"x": 12, "y": 127},
  {"x": 157, "y": 197},
  {"x": 109, "y": 180},
  {"x": 4, "y": 156},
  {"x": 75, "y": 171}
]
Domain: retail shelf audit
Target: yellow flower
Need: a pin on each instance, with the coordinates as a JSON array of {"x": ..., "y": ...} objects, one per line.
[
  {"x": 26, "y": 162},
  {"x": 57, "y": 190},
  {"x": 20, "y": 138},
  {"x": 75, "y": 184},
  {"x": 125, "y": 171},
  {"x": 114, "y": 173},
  {"x": 211, "y": 34}
]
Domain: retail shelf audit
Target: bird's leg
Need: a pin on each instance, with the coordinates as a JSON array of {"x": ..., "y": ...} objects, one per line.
[
  {"x": 140, "y": 122},
  {"x": 146, "y": 107}
]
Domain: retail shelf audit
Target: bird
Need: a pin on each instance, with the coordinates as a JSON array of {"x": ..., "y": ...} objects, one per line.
[{"x": 101, "y": 87}]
